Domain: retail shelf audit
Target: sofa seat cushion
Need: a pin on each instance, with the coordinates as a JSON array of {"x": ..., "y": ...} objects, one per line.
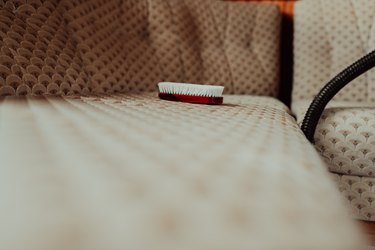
[
  {"x": 345, "y": 137},
  {"x": 131, "y": 171},
  {"x": 359, "y": 193}
]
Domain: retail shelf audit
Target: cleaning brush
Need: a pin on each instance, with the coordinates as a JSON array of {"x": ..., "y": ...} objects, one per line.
[{"x": 192, "y": 93}]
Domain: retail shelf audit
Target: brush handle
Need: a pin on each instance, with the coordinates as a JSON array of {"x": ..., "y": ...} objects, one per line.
[{"x": 192, "y": 99}]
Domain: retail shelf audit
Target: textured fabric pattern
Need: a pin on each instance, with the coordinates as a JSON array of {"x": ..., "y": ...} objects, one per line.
[
  {"x": 136, "y": 172},
  {"x": 329, "y": 38},
  {"x": 299, "y": 108},
  {"x": 359, "y": 193},
  {"x": 38, "y": 52},
  {"x": 75, "y": 47},
  {"x": 286, "y": 6},
  {"x": 346, "y": 139},
  {"x": 286, "y": 47}
]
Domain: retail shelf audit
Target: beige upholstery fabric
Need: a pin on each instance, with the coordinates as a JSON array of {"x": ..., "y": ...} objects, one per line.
[
  {"x": 136, "y": 172},
  {"x": 345, "y": 138},
  {"x": 300, "y": 107},
  {"x": 329, "y": 36},
  {"x": 359, "y": 193},
  {"x": 76, "y": 47}
]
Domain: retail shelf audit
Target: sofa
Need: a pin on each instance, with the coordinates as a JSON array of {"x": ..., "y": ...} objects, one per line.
[{"x": 91, "y": 158}]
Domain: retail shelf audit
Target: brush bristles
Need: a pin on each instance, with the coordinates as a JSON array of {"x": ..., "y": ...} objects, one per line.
[{"x": 190, "y": 89}]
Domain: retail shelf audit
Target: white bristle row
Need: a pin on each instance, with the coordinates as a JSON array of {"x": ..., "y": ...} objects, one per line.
[{"x": 190, "y": 89}]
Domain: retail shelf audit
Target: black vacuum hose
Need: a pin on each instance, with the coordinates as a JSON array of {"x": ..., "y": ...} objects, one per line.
[{"x": 317, "y": 106}]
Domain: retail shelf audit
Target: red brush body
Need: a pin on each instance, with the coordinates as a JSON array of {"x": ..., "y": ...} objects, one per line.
[
  {"x": 191, "y": 93},
  {"x": 191, "y": 99}
]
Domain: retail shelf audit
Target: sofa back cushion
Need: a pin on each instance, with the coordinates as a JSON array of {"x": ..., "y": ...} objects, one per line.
[
  {"x": 100, "y": 46},
  {"x": 329, "y": 36}
]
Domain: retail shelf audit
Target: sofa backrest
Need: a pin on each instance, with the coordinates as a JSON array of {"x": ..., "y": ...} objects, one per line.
[
  {"x": 329, "y": 36},
  {"x": 105, "y": 46}
]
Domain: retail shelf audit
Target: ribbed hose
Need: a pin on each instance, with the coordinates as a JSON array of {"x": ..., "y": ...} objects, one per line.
[{"x": 317, "y": 106}]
